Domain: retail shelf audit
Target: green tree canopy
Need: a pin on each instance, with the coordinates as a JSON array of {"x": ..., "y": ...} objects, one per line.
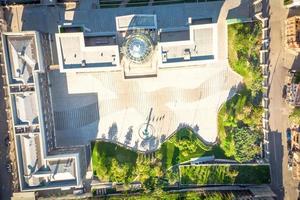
[
  {"x": 295, "y": 116},
  {"x": 245, "y": 143}
]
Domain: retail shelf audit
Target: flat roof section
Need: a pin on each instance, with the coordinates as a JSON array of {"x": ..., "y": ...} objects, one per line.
[
  {"x": 25, "y": 108},
  {"x": 22, "y": 56},
  {"x": 200, "y": 47},
  {"x": 62, "y": 169},
  {"x": 31, "y": 155},
  {"x": 74, "y": 54}
]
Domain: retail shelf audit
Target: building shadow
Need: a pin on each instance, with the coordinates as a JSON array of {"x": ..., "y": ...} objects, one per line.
[
  {"x": 276, "y": 159},
  {"x": 296, "y": 63},
  {"x": 293, "y": 11},
  {"x": 241, "y": 11},
  {"x": 76, "y": 116}
]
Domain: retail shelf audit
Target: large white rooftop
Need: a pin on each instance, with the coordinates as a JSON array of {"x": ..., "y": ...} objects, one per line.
[{"x": 74, "y": 54}]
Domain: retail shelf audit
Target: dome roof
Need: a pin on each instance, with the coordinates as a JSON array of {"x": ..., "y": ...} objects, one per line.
[{"x": 138, "y": 47}]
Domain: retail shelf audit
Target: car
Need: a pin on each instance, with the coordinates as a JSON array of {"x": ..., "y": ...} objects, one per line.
[
  {"x": 7, "y": 141},
  {"x": 284, "y": 92},
  {"x": 289, "y": 139},
  {"x": 288, "y": 134},
  {"x": 78, "y": 191},
  {"x": 290, "y": 160},
  {"x": 292, "y": 72},
  {"x": 8, "y": 167}
]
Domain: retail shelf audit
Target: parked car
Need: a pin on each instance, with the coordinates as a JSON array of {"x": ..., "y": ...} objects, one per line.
[
  {"x": 8, "y": 167},
  {"x": 284, "y": 92},
  {"x": 78, "y": 191},
  {"x": 7, "y": 141},
  {"x": 290, "y": 160},
  {"x": 289, "y": 139},
  {"x": 292, "y": 72}
]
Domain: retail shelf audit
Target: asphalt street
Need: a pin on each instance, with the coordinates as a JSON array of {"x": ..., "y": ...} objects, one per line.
[{"x": 280, "y": 61}]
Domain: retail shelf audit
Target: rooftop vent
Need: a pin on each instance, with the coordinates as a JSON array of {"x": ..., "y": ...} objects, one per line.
[{"x": 83, "y": 63}]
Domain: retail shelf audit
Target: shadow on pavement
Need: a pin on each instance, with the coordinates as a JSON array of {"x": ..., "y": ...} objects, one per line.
[
  {"x": 276, "y": 159},
  {"x": 296, "y": 63}
]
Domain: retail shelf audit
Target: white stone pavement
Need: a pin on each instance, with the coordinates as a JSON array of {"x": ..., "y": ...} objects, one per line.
[{"x": 179, "y": 96}]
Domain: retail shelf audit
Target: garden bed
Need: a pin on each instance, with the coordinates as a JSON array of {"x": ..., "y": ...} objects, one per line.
[
  {"x": 112, "y": 162},
  {"x": 225, "y": 174},
  {"x": 241, "y": 116}
]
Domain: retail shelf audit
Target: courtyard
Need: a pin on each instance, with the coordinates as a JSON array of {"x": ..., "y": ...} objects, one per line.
[{"x": 107, "y": 106}]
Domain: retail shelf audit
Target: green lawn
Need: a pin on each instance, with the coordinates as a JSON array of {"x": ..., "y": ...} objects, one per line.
[
  {"x": 225, "y": 174},
  {"x": 287, "y": 2}
]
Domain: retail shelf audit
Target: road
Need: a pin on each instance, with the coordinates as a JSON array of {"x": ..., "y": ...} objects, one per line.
[{"x": 280, "y": 61}]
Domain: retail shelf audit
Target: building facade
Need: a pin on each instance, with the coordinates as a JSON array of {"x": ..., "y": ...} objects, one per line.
[{"x": 293, "y": 33}]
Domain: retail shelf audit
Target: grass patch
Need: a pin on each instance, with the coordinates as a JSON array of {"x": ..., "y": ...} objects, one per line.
[
  {"x": 287, "y": 2},
  {"x": 225, "y": 174}
]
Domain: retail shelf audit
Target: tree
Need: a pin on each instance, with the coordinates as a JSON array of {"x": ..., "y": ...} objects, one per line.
[
  {"x": 142, "y": 170},
  {"x": 295, "y": 116},
  {"x": 245, "y": 142},
  {"x": 119, "y": 172}
]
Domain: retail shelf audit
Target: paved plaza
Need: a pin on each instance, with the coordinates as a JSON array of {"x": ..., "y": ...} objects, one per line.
[{"x": 176, "y": 98}]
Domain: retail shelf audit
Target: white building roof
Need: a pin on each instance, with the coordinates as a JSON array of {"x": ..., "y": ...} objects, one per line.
[
  {"x": 75, "y": 55},
  {"x": 26, "y": 108},
  {"x": 23, "y": 59},
  {"x": 200, "y": 47}
]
